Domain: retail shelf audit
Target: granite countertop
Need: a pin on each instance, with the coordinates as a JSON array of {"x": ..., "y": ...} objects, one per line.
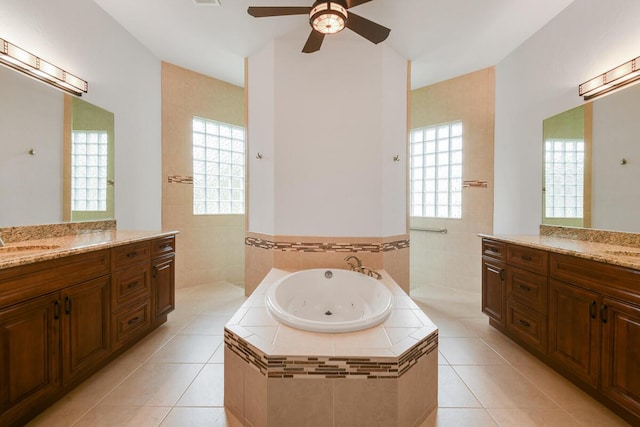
[
  {"x": 624, "y": 256},
  {"x": 30, "y": 251}
]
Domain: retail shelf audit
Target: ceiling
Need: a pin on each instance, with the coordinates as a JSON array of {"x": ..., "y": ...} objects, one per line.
[{"x": 442, "y": 38}]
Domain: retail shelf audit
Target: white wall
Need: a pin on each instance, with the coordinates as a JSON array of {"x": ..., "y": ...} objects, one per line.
[
  {"x": 124, "y": 78},
  {"x": 540, "y": 79},
  {"x": 327, "y": 133}
]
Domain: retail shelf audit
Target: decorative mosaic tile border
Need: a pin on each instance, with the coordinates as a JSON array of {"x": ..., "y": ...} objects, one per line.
[
  {"x": 179, "y": 179},
  {"x": 327, "y": 367},
  {"x": 592, "y": 235},
  {"x": 35, "y": 232},
  {"x": 326, "y": 247}
]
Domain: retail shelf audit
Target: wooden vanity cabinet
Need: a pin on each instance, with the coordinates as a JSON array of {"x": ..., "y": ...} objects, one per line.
[
  {"x": 29, "y": 357},
  {"x": 580, "y": 316},
  {"x": 163, "y": 267},
  {"x": 493, "y": 281},
  {"x": 61, "y": 320}
]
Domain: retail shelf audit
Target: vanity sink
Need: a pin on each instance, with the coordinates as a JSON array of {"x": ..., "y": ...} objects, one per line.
[
  {"x": 26, "y": 248},
  {"x": 635, "y": 254}
]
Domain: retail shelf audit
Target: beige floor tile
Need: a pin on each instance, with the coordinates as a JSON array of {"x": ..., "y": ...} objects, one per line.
[
  {"x": 593, "y": 414},
  {"x": 124, "y": 416},
  {"x": 200, "y": 417},
  {"x": 442, "y": 360},
  {"x": 459, "y": 417},
  {"x": 502, "y": 387},
  {"x": 453, "y": 392},
  {"x": 509, "y": 350},
  {"x": 533, "y": 417},
  {"x": 468, "y": 351},
  {"x": 63, "y": 413},
  {"x": 176, "y": 321},
  {"x": 143, "y": 350},
  {"x": 207, "y": 389},
  {"x": 218, "y": 355},
  {"x": 154, "y": 384},
  {"x": 188, "y": 349},
  {"x": 206, "y": 324}
]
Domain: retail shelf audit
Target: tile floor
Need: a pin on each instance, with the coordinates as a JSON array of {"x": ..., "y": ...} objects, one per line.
[{"x": 174, "y": 377}]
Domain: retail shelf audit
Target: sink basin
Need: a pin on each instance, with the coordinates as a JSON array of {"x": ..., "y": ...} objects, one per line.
[
  {"x": 630, "y": 253},
  {"x": 26, "y": 248}
]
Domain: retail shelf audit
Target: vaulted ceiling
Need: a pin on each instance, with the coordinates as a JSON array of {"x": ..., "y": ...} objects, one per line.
[{"x": 442, "y": 38}]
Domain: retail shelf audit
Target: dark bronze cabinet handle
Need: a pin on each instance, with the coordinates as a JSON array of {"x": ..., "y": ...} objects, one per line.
[
  {"x": 155, "y": 272},
  {"x": 593, "y": 309},
  {"x": 134, "y": 320},
  {"x": 133, "y": 285},
  {"x": 524, "y": 323},
  {"x": 526, "y": 258},
  {"x": 56, "y": 310},
  {"x": 525, "y": 288},
  {"x": 502, "y": 274},
  {"x": 132, "y": 254},
  {"x": 67, "y": 305},
  {"x": 604, "y": 313}
]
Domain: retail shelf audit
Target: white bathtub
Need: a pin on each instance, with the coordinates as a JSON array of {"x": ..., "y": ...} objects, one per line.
[{"x": 329, "y": 300}]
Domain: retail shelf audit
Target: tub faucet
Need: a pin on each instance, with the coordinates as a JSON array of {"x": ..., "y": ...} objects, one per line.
[{"x": 354, "y": 267}]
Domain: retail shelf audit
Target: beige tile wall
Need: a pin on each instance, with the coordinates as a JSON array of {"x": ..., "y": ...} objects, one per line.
[
  {"x": 260, "y": 261},
  {"x": 453, "y": 259},
  {"x": 210, "y": 248}
]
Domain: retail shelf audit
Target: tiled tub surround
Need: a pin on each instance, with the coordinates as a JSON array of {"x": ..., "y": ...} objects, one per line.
[
  {"x": 279, "y": 376},
  {"x": 264, "y": 252},
  {"x": 611, "y": 247},
  {"x": 57, "y": 245}
]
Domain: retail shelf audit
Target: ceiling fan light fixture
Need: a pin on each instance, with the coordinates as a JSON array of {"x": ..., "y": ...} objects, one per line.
[{"x": 328, "y": 17}]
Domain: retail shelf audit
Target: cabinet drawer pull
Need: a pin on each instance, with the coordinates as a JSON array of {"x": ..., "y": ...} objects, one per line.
[
  {"x": 134, "y": 320},
  {"x": 133, "y": 285},
  {"x": 167, "y": 246},
  {"x": 526, "y": 258},
  {"x": 132, "y": 254},
  {"x": 604, "y": 313},
  {"x": 525, "y": 288},
  {"x": 56, "y": 310},
  {"x": 593, "y": 309},
  {"x": 524, "y": 323},
  {"x": 67, "y": 305}
]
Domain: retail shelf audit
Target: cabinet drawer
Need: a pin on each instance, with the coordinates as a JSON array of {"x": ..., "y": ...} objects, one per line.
[
  {"x": 608, "y": 279},
  {"x": 535, "y": 260},
  {"x": 124, "y": 256},
  {"x": 130, "y": 321},
  {"x": 163, "y": 246},
  {"x": 33, "y": 280},
  {"x": 527, "y": 325},
  {"x": 130, "y": 284},
  {"x": 528, "y": 288},
  {"x": 494, "y": 249}
]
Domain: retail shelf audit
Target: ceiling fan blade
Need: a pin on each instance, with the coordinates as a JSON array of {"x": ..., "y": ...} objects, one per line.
[
  {"x": 262, "y": 12},
  {"x": 313, "y": 42},
  {"x": 354, "y": 3},
  {"x": 371, "y": 31}
]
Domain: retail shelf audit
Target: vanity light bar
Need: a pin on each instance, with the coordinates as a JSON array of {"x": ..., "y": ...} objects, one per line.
[
  {"x": 612, "y": 79},
  {"x": 19, "y": 59}
]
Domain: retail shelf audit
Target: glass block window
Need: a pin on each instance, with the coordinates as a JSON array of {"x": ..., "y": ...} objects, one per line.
[
  {"x": 218, "y": 167},
  {"x": 436, "y": 171},
  {"x": 564, "y": 178},
  {"x": 89, "y": 154}
]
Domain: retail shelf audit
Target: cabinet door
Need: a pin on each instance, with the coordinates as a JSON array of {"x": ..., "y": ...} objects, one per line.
[
  {"x": 620, "y": 368},
  {"x": 85, "y": 336},
  {"x": 493, "y": 289},
  {"x": 163, "y": 276},
  {"x": 29, "y": 356},
  {"x": 574, "y": 330}
]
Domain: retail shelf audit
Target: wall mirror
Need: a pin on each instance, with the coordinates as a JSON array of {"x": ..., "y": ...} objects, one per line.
[
  {"x": 591, "y": 164},
  {"x": 37, "y": 123}
]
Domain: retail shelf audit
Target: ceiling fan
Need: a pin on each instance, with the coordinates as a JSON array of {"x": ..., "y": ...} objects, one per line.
[{"x": 328, "y": 17}]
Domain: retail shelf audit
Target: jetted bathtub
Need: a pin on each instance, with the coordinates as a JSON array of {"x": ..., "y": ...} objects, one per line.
[{"x": 329, "y": 300}]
